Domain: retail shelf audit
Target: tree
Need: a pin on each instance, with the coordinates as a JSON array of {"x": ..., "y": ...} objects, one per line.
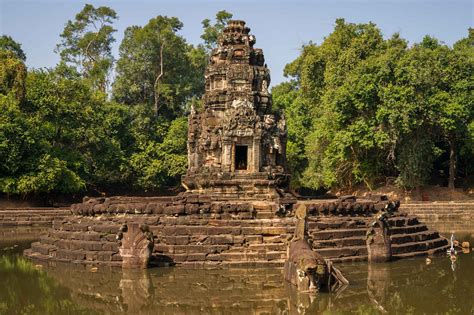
[
  {"x": 7, "y": 43},
  {"x": 377, "y": 108},
  {"x": 63, "y": 138},
  {"x": 211, "y": 32},
  {"x": 12, "y": 75},
  {"x": 456, "y": 102},
  {"x": 297, "y": 112},
  {"x": 87, "y": 44},
  {"x": 160, "y": 164},
  {"x": 157, "y": 67}
]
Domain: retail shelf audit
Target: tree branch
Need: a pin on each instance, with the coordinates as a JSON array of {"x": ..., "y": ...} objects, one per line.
[{"x": 157, "y": 80}]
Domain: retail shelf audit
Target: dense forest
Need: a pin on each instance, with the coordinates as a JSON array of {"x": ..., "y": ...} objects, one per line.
[{"x": 360, "y": 108}]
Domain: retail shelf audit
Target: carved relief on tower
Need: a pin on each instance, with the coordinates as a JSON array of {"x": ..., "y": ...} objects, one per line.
[{"x": 240, "y": 119}]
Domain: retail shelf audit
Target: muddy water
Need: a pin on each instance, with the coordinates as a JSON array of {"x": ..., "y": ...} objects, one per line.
[{"x": 401, "y": 287}]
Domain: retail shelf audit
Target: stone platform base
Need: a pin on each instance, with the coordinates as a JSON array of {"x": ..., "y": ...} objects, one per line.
[
  {"x": 206, "y": 233},
  {"x": 34, "y": 216}
]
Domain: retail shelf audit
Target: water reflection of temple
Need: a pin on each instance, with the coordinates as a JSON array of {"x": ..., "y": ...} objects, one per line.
[{"x": 408, "y": 285}]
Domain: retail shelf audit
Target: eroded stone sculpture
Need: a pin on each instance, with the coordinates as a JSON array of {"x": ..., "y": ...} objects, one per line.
[
  {"x": 379, "y": 245},
  {"x": 136, "y": 245},
  {"x": 304, "y": 268}
]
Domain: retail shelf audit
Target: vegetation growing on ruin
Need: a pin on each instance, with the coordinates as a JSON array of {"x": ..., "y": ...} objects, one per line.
[{"x": 360, "y": 108}]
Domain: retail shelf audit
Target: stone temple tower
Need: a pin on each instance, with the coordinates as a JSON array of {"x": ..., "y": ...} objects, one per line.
[{"x": 236, "y": 144}]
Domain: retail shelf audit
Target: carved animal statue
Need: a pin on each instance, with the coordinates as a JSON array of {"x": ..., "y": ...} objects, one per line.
[
  {"x": 379, "y": 245},
  {"x": 305, "y": 268}
]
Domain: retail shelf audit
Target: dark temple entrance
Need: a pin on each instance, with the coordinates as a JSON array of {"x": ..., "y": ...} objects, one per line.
[{"x": 241, "y": 152}]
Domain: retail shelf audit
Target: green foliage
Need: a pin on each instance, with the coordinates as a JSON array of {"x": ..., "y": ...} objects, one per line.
[
  {"x": 298, "y": 118},
  {"x": 359, "y": 108},
  {"x": 87, "y": 43},
  {"x": 7, "y": 43},
  {"x": 61, "y": 138},
  {"x": 211, "y": 32},
  {"x": 159, "y": 164},
  {"x": 12, "y": 75},
  {"x": 157, "y": 67},
  {"x": 376, "y": 107}
]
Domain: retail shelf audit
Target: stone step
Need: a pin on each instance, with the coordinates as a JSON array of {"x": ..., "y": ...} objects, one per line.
[
  {"x": 34, "y": 254},
  {"x": 414, "y": 237},
  {"x": 87, "y": 245},
  {"x": 442, "y": 213},
  {"x": 418, "y": 246},
  {"x": 410, "y": 229},
  {"x": 349, "y": 259},
  {"x": 43, "y": 249},
  {"x": 340, "y": 242},
  {"x": 267, "y": 247},
  {"x": 432, "y": 251},
  {"x": 343, "y": 251},
  {"x": 402, "y": 221},
  {"x": 80, "y": 255},
  {"x": 336, "y": 224},
  {"x": 265, "y": 215},
  {"x": 337, "y": 233}
]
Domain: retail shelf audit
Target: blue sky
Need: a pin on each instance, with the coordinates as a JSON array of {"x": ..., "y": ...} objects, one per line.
[{"x": 281, "y": 27}]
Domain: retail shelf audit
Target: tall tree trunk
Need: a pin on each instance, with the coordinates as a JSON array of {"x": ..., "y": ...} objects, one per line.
[
  {"x": 452, "y": 163},
  {"x": 156, "y": 105}
]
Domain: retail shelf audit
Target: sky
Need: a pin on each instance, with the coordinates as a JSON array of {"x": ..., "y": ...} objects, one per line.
[{"x": 281, "y": 27}]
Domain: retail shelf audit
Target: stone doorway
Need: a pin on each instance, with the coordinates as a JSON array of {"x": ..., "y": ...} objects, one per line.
[{"x": 241, "y": 157}]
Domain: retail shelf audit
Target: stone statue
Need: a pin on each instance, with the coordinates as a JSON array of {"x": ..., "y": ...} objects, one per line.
[
  {"x": 379, "y": 246},
  {"x": 305, "y": 268},
  {"x": 136, "y": 245}
]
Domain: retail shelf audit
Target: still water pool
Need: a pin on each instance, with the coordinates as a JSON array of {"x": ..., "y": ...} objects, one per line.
[{"x": 402, "y": 287}]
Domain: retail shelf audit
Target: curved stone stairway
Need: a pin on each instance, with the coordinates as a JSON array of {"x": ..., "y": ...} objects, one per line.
[{"x": 342, "y": 239}]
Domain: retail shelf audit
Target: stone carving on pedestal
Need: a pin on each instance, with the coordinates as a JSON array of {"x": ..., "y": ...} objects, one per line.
[
  {"x": 136, "y": 245},
  {"x": 236, "y": 143}
]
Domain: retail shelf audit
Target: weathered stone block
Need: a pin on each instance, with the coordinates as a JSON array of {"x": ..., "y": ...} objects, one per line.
[
  {"x": 196, "y": 257},
  {"x": 177, "y": 258},
  {"x": 109, "y": 246},
  {"x": 91, "y": 236},
  {"x": 219, "y": 230},
  {"x": 252, "y": 239},
  {"x": 221, "y": 239},
  {"x": 191, "y": 208},
  {"x": 214, "y": 257},
  {"x": 181, "y": 230}
]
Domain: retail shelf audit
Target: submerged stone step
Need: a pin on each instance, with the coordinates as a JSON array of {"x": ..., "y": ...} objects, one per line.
[
  {"x": 347, "y": 251},
  {"x": 348, "y": 259},
  {"x": 431, "y": 251},
  {"x": 414, "y": 237},
  {"x": 43, "y": 249},
  {"x": 418, "y": 246}
]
